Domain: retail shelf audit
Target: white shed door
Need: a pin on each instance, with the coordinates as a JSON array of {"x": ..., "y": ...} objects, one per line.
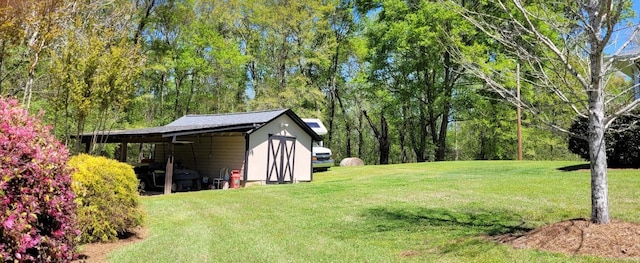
[{"x": 281, "y": 159}]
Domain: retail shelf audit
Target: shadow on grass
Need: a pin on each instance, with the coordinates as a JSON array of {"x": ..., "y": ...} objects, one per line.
[
  {"x": 424, "y": 232},
  {"x": 587, "y": 167},
  {"x": 577, "y": 167},
  {"x": 475, "y": 222}
]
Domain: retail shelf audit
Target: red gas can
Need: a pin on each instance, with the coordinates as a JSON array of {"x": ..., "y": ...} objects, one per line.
[{"x": 235, "y": 179}]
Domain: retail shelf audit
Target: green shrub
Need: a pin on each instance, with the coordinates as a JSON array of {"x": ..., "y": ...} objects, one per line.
[
  {"x": 622, "y": 139},
  {"x": 37, "y": 219},
  {"x": 107, "y": 197}
]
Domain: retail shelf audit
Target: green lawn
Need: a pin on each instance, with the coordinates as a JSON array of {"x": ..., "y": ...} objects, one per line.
[{"x": 424, "y": 212}]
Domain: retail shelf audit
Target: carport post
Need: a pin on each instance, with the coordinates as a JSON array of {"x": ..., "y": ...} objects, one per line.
[
  {"x": 168, "y": 179},
  {"x": 123, "y": 152}
]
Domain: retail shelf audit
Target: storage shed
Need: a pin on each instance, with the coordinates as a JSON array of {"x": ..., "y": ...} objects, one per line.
[{"x": 266, "y": 146}]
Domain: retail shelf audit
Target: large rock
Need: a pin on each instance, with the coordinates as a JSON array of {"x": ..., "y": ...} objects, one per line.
[{"x": 352, "y": 161}]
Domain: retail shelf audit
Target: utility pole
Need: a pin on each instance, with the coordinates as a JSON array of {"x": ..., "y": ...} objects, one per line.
[
  {"x": 455, "y": 136},
  {"x": 519, "y": 128}
]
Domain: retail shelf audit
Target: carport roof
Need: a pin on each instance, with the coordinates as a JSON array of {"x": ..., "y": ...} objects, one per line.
[{"x": 198, "y": 124}]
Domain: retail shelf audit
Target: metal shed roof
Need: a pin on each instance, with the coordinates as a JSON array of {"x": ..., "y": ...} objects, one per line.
[
  {"x": 227, "y": 119},
  {"x": 198, "y": 124}
]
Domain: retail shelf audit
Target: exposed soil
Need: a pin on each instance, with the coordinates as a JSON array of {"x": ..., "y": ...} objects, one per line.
[
  {"x": 580, "y": 236},
  {"x": 97, "y": 252}
]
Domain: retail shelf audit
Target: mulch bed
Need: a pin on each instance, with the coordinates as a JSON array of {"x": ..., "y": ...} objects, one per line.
[
  {"x": 97, "y": 252},
  {"x": 580, "y": 236}
]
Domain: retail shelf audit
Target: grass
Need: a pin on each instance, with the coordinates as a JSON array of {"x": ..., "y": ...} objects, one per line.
[{"x": 424, "y": 212}]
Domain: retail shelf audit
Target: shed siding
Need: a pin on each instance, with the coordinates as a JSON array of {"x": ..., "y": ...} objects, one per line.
[
  {"x": 227, "y": 152},
  {"x": 259, "y": 143}
]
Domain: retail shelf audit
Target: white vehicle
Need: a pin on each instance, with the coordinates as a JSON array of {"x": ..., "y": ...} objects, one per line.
[{"x": 321, "y": 156}]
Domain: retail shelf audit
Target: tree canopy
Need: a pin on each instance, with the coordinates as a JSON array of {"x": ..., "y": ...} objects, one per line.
[{"x": 390, "y": 78}]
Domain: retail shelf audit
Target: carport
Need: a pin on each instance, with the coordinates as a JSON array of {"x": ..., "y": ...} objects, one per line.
[{"x": 265, "y": 146}]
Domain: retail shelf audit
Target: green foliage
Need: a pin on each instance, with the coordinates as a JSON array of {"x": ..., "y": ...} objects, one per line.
[
  {"x": 107, "y": 197},
  {"x": 622, "y": 139},
  {"x": 409, "y": 55},
  {"x": 38, "y": 221},
  {"x": 285, "y": 43},
  {"x": 485, "y": 128},
  {"x": 94, "y": 70},
  {"x": 542, "y": 143}
]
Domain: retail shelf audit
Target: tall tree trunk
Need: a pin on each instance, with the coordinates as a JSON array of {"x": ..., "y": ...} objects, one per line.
[
  {"x": 282, "y": 66},
  {"x": 332, "y": 114},
  {"x": 384, "y": 145},
  {"x": 597, "y": 147},
  {"x": 449, "y": 81},
  {"x": 191, "y": 92},
  {"x": 177, "y": 110},
  {"x": 347, "y": 124},
  {"x": 36, "y": 45},
  {"x": 597, "y": 119},
  {"x": 28, "y": 89},
  {"x": 333, "y": 93},
  {"x": 441, "y": 147},
  {"x": 143, "y": 20},
  {"x": 433, "y": 126},
  {"x": 79, "y": 130},
  {"x": 402, "y": 135},
  {"x": 360, "y": 135},
  {"x": 422, "y": 137},
  {"x": 161, "y": 91},
  {"x": 482, "y": 154},
  {"x": 598, "y": 156}
]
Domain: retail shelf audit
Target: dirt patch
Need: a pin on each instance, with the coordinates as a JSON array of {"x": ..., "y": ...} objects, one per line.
[
  {"x": 97, "y": 252},
  {"x": 580, "y": 236},
  {"x": 409, "y": 253}
]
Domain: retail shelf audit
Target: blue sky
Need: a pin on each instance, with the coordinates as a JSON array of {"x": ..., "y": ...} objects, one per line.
[{"x": 624, "y": 35}]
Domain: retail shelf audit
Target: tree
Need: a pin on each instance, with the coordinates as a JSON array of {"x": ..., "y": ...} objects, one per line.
[
  {"x": 485, "y": 128},
  {"x": 40, "y": 27},
  {"x": 409, "y": 57},
  {"x": 281, "y": 39},
  {"x": 30, "y": 27},
  {"x": 342, "y": 25},
  {"x": 488, "y": 126},
  {"x": 382, "y": 134},
  {"x": 95, "y": 66},
  {"x": 563, "y": 54},
  {"x": 194, "y": 64},
  {"x": 10, "y": 62}
]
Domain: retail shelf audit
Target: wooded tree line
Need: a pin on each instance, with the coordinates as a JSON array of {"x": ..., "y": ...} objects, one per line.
[{"x": 381, "y": 74}]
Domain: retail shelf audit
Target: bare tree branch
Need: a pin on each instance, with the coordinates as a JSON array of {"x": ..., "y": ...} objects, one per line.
[{"x": 562, "y": 49}]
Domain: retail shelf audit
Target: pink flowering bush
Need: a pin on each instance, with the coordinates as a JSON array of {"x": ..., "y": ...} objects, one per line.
[{"x": 37, "y": 215}]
